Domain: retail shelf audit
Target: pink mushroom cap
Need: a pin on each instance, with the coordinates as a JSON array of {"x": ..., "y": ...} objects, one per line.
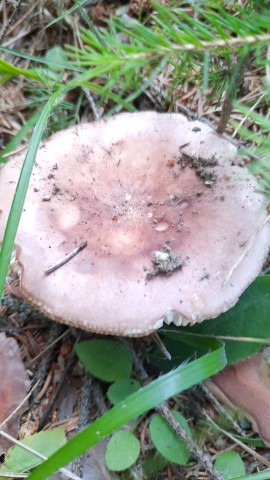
[{"x": 136, "y": 187}]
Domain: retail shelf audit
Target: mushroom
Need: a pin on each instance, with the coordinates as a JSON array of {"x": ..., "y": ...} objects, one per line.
[{"x": 174, "y": 229}]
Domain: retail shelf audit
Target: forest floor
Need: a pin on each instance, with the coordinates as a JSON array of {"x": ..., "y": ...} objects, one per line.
[{"x": 61, "y": 388}]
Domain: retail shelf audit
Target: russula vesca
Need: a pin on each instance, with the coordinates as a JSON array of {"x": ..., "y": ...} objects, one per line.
[{"x": 166, "y": 214}]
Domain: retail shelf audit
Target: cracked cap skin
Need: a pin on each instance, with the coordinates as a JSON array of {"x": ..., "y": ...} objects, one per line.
[{"x": 129, "y": 185}]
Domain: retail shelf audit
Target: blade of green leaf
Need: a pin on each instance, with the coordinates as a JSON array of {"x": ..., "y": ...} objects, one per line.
[
  {"x": 9, "y": 69},
  {"x": 21, "y": 135},
  {"x": 136, "y": 404},
  {"x": 21, "y": 190},
  {"x": 265, "y": 475},
  {"x": 255, "y": 442},
  {"x": 33, "y": 58},
  {"x": 66, "y": 12}
]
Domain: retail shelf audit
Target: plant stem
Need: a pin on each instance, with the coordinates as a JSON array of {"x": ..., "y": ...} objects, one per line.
[{"x": 235, "y": 82}]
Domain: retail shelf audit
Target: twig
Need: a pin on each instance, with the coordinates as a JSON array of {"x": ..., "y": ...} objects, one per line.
[
  {"x": 9, "y": 22},
  {"x": 52, "y": 399},
  {"x": 15, "y": 152},
  {"x": 203, "y": 457},
  {"x": 241, "y": 444},
  {"x": 246, "y": 250},
  {"x": 46, "y": 384},
  {"x": 65, "y": 472},
  {"x": 14, "y": 475},
  {"x": 68, "y": 257},
  {"x": 161, "y": 345},
  {"x": 48, "y": 348},
  {"x": 230, "y": 94},
  {"x": 46, "y": 361},
  {"x": 91, "y": 102},
  {"x": 247, "y": 115},
  {"x": 221, "y": 409},
  {"x": 136, "y": 360},
  {"x": 253, "y": 466}
]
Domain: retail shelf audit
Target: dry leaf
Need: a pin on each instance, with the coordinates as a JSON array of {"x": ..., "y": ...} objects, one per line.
[{"x": 14, "y": 386}]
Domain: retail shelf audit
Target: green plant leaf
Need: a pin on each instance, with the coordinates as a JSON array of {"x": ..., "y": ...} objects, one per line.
[
  {"x": 265, "y": 475},
  {"x": 9, "y": 69},
  {"x": 121, "y": 389},
  {"x": 255, "y": 442},
  {"x": 19, "y": 460},
  {"x": 122, "y": 451},
  {"x": 167, "y": 441},
  {"x": 136, "y": 404},
  {"x": 230, "y": 464},
  {"x": 18, "y": 138},
  {"x": 56, "y": 58},
  {"x": 249, "y": 318},
  {"x": 21, "y": 189},
  {"x": 105, "y": 359}
]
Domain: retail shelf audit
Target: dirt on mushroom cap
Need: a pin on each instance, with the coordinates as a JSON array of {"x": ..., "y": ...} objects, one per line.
[{"x": 119, "y": 185}]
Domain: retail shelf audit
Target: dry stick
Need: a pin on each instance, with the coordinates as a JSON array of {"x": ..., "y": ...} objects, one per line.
[
  {"x": 9, "y": 22},
  {"x": 161, "y": 345},
  {"x": 246, "y": 250},
  {"x": 221, "y": 409},
  {"x": 241, "y": 444},
  {"x": 15, "y": 152},
  {"x": 249, "y": 112},
  {"x": 14, "y": 475},
  {"x": 46, "y": 361},
  {"x": 91, "y": 101},
  {"x": 253, "y": 466},
  {"x": 230, "y": 95},
  {"x": 48, "y": 348},
  {"x": 203, "y": 458},
  {"x": 65, "y": 472},
  {"x": 143, "y": 375},
  {"x": 68, "y": 257},
  {"x": 46, "y": 385},
  {"x": 44, "y": 416}
]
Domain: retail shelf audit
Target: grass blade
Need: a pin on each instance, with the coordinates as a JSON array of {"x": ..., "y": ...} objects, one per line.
[
  {"x": 21, "y": 190},
  {"x": 136, "y": 404}
]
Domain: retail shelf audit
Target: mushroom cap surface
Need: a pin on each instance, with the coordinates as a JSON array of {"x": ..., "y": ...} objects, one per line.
[{"x": 135, "y": 187}]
